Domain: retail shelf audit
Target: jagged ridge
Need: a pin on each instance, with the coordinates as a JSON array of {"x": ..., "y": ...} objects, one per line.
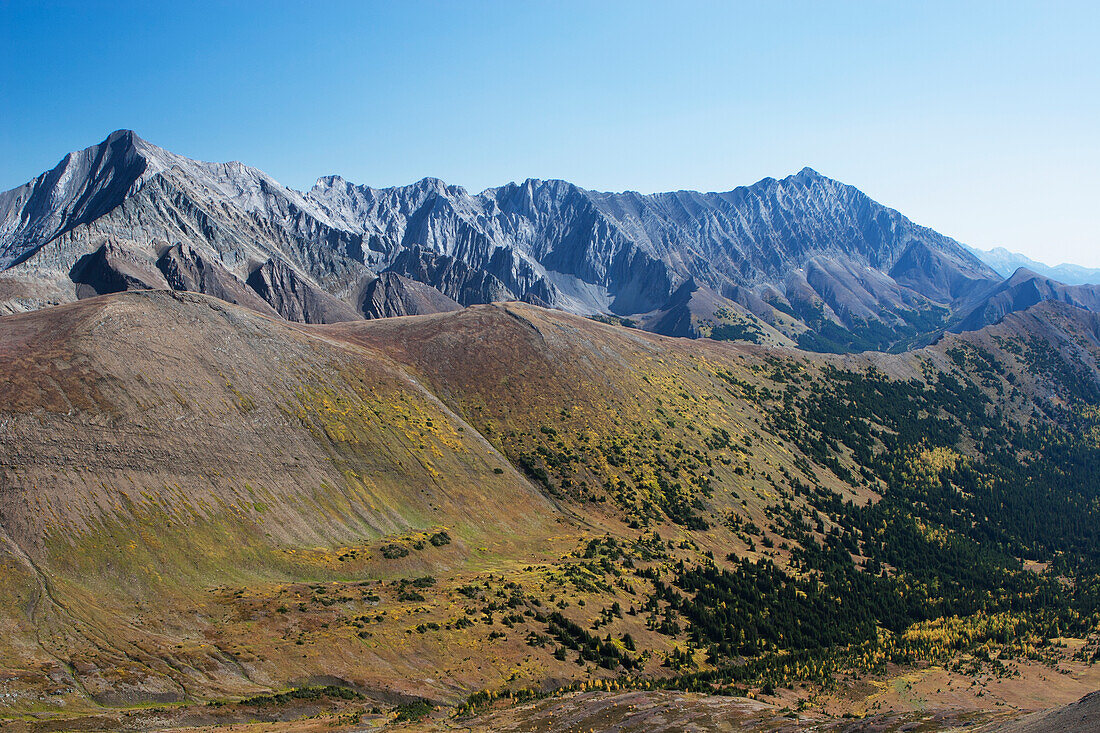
[{"x": 814, "y": 259}]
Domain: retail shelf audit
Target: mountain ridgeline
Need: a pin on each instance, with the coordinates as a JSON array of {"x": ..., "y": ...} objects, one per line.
[
  {"x": 803, "y": 260},
  {"x": 1006, "y": 263}
]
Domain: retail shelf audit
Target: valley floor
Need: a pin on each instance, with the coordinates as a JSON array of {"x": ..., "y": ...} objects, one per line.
[{"x": 1026, "y": 697}]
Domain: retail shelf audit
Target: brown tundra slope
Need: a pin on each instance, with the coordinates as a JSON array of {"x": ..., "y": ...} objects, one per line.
[
  {"x": 158, "y": 449},
  {"x": 199, "y": 502}
]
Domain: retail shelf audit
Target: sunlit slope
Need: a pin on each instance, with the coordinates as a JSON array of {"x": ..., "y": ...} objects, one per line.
[
  {"x": 628, "y": 424},
  {"x": 821, "y": 515},
  {"x": 662, "y": 430},
  {"x": 200, "y": 502},
  {"x": 157, "y": 445}
]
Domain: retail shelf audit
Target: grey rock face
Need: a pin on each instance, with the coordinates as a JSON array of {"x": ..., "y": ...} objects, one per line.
[
  {"x": 296, "y": 299},
  {"x": 390, "y": 295},
  {"x": 83, "y": 187},
  {"x": 801, "y": 252},
  {"x": 185, "y": 269},
  {"x": 942, "y": 274},
  {"x": 142, "y": 198},
  {"x": 112, "y": 269},
  {"x": 453, "y": 277},
  {"x": 626, "y": 253}
]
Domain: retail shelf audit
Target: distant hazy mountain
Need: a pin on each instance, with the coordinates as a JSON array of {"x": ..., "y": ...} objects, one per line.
[
  {"x": 804, "y": 259},
  {"x": 1006, "y": 263},
  {"x": 1021, "y": 291}
]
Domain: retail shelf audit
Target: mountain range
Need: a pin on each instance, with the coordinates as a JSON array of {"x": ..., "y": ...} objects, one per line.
[
  {"x": 802, "y": 260},
  {"x": 1006, "y": 263}
]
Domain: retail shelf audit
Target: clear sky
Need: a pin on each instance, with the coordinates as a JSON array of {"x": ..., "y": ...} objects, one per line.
[{"x": 981, "y": 120}]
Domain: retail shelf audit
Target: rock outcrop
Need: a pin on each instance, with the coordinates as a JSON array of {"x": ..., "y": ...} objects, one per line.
[
  {"x": 390, "y": 295},
  {"x": 295, "y": 298}
]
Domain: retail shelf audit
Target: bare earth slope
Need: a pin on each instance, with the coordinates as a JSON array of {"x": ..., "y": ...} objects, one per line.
[{"x": 1082, "y": 716}]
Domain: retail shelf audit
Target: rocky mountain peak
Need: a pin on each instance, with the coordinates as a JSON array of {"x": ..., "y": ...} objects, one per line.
[
  {"x": 124, "y": 138},
  {"x": 84, "y": 186},
  {"x": 809, "y": 174},
  {"x": 865, "y": 268},
  {"x": 331, "y": 181}
]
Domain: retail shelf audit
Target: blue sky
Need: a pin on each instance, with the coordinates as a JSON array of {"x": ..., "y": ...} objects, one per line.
[{"x": 981, "y": 120}]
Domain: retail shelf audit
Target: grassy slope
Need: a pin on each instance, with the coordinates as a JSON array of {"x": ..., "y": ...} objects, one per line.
[
  {"x": 157, "y": 447},
  {"x": 209, "y": 518},
  {"x": 612, "y": 415}
]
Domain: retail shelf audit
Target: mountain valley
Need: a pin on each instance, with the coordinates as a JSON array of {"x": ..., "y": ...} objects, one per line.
[{"x": 538, "y": 458}]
